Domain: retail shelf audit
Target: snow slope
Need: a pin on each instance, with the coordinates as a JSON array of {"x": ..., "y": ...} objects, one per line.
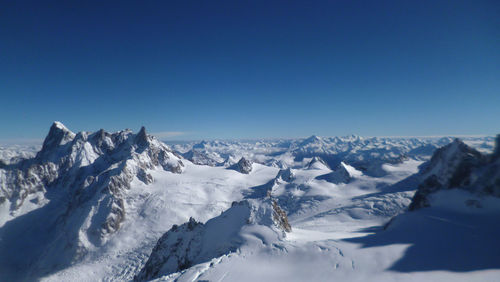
[
  {"x": 246, "y": 225},
  {"x": 338, "y": 234},
  {"x": 337, "y": 227},
  {"x": 70, "y": 198},
  {"x": 201, "y": 192}
]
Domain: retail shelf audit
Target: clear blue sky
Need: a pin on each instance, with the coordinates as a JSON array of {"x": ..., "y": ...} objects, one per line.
[{"x": 240, "y": 69}]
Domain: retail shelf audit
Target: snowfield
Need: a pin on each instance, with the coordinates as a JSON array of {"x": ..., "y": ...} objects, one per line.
[
  {"x": 201, "y": 192},
  {"x": 346, "y": 200}
]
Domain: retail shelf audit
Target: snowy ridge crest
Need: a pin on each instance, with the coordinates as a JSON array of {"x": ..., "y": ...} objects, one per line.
[
  {"x": 193, "y": 242},
  {"x": 457, "y": 165},
  {"x": 81, "y": 178}
]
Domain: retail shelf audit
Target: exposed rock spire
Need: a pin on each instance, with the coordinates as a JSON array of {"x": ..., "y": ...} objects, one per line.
[{"x": 142, "y": 138}]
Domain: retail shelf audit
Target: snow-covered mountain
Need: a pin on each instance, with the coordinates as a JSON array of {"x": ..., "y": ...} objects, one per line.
[
  {"x": 243, "y": 165},
  {"x": 457, "y": 165},
  {"x": 452, "y": 223},
  {"x": 366, "y": 154},
  {"x": 317, "y": 163},
  {"x": 344, "y": 173},
  {"x": 119, "y": 206},
  {"x": 203, "y": 157},
  {"x": 194, "y": 242},
  {"x": 312, "y": 207},
  {"x": 77, "y": 184}
]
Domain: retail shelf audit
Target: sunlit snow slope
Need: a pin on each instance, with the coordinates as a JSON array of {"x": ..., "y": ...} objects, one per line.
[{"x": 338, "y": 195}]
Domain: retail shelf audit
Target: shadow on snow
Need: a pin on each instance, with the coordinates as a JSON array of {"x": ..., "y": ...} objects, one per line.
[{"x": 439, "y": 240}]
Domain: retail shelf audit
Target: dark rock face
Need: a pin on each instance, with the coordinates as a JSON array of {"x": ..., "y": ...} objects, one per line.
[
  {"x": 243, "y": 166},
  {"x": 280, "y": 217},
  {"x": 58, "y": 136},
  {"x": 496, "y": 152},
  {"x": 175, "y": 251},
  {"x": 285, "y": 175},
  {"x": 141, "y": 139},
  {"x": 458, "y": 166}
]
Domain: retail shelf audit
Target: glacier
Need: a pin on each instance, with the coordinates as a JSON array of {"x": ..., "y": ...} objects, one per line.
[{"x": 121, "y": 206}]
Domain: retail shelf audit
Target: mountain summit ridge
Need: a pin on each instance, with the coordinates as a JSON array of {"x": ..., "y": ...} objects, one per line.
[
  {"x": 80, "y": 180},
  {"x": 459, "y": 166}
]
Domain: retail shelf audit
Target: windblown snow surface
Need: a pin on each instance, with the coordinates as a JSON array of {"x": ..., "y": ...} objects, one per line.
[{"x": 337, "y": 232}]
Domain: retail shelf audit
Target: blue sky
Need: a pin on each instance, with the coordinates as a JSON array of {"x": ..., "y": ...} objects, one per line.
[{"x": 246, "y": 69}]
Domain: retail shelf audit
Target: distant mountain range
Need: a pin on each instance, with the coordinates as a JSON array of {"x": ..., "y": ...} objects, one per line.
[
  {"x": 365, "y": 154},
  {"x": 125, "y": 198}
]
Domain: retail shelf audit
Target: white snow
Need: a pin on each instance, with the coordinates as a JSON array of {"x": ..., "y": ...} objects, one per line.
[
  {"x": 336, "y": 228},
  {"x": 315, "y": 250}
]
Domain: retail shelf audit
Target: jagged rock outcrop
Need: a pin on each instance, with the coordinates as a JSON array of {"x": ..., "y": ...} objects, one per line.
[
  {"x": 280, "y": 218},
  {"x": 193, "y": 242},
  {"x": 243, "y": 165},
  {"x": 175, "y": 250},
  {"x": 93, "y": 172},
  {"x": 285, "y": 175},
  {"x": 458, "y": 166}
]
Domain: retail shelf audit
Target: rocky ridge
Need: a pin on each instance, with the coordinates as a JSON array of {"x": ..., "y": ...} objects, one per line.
[
  {"x": 243, "y": 165},
  {"x": 76, "y": 186},
  {"x": 458, "y": 166},
  {"x": 193, "y": 242}
]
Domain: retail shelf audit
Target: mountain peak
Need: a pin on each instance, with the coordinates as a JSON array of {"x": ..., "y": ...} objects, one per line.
[
  {"x": 58, "y": 135},
  {"x": 451, "y": 166},
  {"x": 311, "y": 140},
  {"x": 318, "y": 163},
  {"x": 314, "y": 137},
  {"x": 60, "y": 125},
  {"x": 201, "y": 145},
  {"x": 244, "y": 165},
  {"x": 286, "y": 175},
  {"x": 342, "y": 174},
  {"x": 142, "y": 138},
  {"x": 446, "y": 159}
]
